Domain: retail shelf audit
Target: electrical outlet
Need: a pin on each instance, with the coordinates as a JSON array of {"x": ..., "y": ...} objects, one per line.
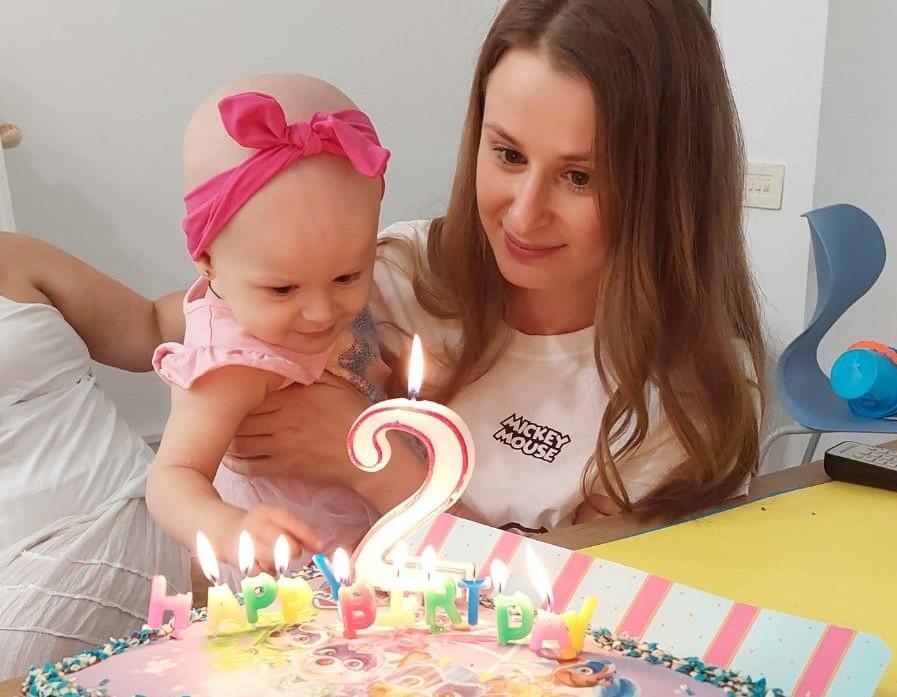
[{"x": 763, "y": 185}]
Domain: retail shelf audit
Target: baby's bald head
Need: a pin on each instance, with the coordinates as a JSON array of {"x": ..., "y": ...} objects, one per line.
[
  {"x": 295, "y": 261},
  {"x": 208, "y": 149}
]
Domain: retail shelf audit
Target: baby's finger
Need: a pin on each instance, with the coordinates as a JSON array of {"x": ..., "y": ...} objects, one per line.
[
  {"x": 263, "y": 532},
  {"x": 301, "y": 531}
]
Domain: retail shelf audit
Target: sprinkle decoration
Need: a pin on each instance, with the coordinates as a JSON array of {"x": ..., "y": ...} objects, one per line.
[
  {"x": 51, "y": 680},
  {"x": 733, "y": 682}
]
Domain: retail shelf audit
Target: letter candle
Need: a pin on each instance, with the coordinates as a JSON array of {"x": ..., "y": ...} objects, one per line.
[
  {"x": 398, "y": 615},
  {"x": 259, "y": 591},
  {"x": 160, "y": 603},
  {"x": 223, "y": 613},
  {"x": 357, "y": 603},
  {"x": 473, "y": 586},
  {"x": 578, "y": 622},
  {"x": 503, "y": 604},
  {"x": 440, "y": 593},
  {"x": 295, "y": 594},
  {"x": 549, "y": 626},
  {"x": 326, "y": 570}
]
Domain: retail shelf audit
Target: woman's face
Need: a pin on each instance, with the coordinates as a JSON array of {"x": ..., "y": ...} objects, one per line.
[{"x": 535, "y": 178}]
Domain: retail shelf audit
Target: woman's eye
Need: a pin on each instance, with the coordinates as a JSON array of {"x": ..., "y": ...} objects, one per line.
[
  {"x": 510, "y": 156},
  {"x": 283, "y": 290},
  {"x": 348, "y": 278},
  {"x": 579, "y": 180}
]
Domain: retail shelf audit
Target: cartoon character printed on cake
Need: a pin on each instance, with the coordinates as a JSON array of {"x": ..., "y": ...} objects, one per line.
[
  {"x": 272, "y": 646},
  {"x": 429, "y": 680},
  {"x": 341, "y": 663},
  {"x": 296, "y": 637},
  {"x": 600, "y": 675}
]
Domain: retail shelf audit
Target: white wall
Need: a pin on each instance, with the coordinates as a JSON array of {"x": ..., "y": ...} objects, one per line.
[
  {"x": 857, "y": 160},
  {"x": 102, "y": 90},
  {"x": 775, "y": 54},
  {"x": 7, "y": 221}
]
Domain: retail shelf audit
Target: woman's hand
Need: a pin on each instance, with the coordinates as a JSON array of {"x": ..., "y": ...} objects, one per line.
[{"x": 299, "y": 431}]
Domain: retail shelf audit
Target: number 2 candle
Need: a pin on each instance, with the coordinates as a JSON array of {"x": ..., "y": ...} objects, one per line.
[{"x": 451, "y": 461}]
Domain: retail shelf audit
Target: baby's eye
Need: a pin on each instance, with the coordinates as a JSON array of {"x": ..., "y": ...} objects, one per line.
[
  {"x": 347, "y": 278},
  {"x": 282, "y": 290}
]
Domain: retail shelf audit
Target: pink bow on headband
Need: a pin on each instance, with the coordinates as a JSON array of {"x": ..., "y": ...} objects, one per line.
[{"x": 257, "y": 121}]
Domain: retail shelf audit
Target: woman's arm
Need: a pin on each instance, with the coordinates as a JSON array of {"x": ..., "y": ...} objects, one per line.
[
  {"x": 301, "y": 431},
  {"x": 587, "y": 512},
  {"x": 179, "y": 491},
  {"x": 120, "y": 327}
]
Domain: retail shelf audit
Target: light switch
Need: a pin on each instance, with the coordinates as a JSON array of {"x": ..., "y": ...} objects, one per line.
[{"x": 763, "y": 184}]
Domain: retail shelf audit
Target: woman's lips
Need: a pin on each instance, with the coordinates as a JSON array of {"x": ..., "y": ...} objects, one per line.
[{"x": 527, "y": 252}]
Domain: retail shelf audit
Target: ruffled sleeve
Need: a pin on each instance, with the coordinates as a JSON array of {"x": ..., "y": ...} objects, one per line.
[{"x": 183, "y": 365}]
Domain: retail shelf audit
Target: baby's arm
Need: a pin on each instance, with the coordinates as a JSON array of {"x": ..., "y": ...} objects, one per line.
[{"x": 179, "y": 491}]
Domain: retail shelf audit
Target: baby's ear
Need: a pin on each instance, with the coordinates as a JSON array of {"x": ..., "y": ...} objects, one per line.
[{"x": 204, "y": 266}]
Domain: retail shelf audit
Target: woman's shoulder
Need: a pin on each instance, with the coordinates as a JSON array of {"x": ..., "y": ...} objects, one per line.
[
  {"x": 397, "y": 310},
  {"x": 416, "y": 230},
  {"x": 401, "y": 254}
]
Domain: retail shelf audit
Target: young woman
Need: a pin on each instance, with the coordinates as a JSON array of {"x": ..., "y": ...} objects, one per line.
[{"x": 585, "y": 301}]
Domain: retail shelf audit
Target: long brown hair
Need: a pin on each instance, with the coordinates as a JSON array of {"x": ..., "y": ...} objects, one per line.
[{"x": 675, "y": 295}]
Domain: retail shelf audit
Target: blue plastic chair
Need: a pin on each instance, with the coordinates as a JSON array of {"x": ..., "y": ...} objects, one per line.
[{"x": 850, "y": 254}]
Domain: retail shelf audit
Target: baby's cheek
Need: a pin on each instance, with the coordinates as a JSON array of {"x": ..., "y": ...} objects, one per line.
[{"x": 352, "y": 306}]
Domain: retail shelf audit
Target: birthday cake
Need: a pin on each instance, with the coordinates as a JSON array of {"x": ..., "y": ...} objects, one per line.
[
  {"x": 311, "y": 656},
  {"x": 319, "y": 634}
]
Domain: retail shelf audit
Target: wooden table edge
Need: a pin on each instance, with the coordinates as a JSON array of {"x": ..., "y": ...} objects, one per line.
[{"x": 620, "y": 526}]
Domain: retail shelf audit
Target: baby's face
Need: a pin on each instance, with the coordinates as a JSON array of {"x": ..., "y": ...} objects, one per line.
[{"x": 295, "y": 265}]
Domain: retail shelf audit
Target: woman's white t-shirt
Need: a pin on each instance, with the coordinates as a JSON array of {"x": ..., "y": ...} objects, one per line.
[{"x": 534, "y": 415}]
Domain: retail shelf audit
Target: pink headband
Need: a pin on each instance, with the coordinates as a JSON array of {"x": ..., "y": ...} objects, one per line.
[{"x": 256, "y": 120}]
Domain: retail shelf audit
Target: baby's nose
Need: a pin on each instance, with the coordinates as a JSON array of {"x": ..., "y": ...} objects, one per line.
[{"x": 318, "y": 310}]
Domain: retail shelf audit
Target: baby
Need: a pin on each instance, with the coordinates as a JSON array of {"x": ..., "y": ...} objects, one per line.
[{"x": 284, "y": 178}]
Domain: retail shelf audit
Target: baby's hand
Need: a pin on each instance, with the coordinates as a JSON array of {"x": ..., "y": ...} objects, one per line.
[{"x": 265, "y": 524}]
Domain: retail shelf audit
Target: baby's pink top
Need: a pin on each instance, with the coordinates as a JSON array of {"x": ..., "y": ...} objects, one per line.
[{"x": 214, "y": 339}]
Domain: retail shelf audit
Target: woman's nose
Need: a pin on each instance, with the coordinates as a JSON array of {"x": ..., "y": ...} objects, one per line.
[{"x": 530, "y": 208}]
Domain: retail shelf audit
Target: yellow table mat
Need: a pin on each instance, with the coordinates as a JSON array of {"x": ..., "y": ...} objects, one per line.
[{"x": 828, "y": 552}]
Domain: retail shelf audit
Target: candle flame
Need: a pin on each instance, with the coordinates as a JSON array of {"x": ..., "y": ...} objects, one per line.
[
  {"x": 539, "y": 577},
  {"x": 428, "y": 562},
  {"x": 281, "y": 555},
  {"x": 341, "y": 567},
  {"x": 207, "y": 559},
  {"x": 498, "y": 571},
  {"x": 399, "y": 557},
  {"x": 246, "y": 553},
  {"x": 415, "y": 368}
]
